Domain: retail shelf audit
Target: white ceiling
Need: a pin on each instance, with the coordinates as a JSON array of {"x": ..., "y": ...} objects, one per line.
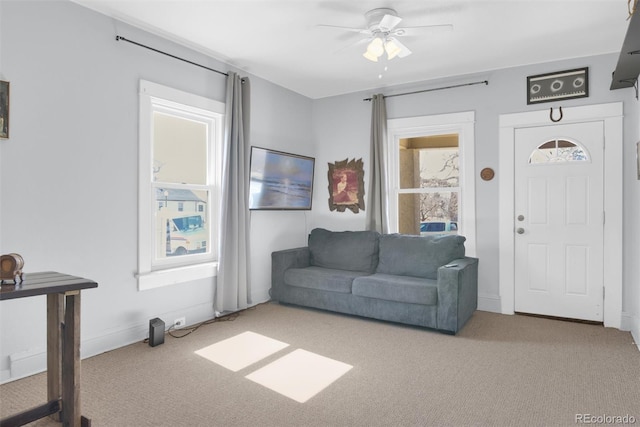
[{"x": 279, "y": 40}]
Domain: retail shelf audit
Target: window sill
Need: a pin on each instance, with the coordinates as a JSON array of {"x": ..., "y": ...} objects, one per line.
[{"x": 173, "y": 276}]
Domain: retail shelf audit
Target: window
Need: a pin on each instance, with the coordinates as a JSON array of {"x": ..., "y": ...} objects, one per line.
[
  {"x": 180, "y": 143},
  {"x": 558, "y": 150},
  {"x": 430, "y": 165},
  {"x": 429, "y": 185}
]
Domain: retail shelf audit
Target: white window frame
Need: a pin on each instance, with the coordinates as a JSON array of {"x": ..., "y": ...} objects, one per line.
[
  {"x": 411, "y": 127},
  {"x": 150, "y": 275}
]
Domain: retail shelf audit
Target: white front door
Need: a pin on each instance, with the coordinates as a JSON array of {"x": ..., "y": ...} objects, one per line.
[{"x": 559, "y": 229}]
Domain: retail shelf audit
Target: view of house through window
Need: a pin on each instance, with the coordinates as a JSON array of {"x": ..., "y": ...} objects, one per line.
[{"x": 428, "y": 199}]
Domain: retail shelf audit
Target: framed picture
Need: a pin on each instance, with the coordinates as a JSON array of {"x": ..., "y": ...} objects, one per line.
[
  {"x": 559, "y": 85},
  {"x": 280, "y": 181},
  {"x": 4, "y": 109},
  {"x": 346, "y": 185}
]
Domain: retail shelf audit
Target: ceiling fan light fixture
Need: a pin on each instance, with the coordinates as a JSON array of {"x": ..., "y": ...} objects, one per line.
[
  {"x": 392, "y": 49},
  {"x": 370, "y": 56},
  {"x": 383, "y": 35},
  {"x": 376, "y": 47}
]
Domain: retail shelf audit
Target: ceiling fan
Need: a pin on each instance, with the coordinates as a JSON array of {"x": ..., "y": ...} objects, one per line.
[{"x": 382, "y": 33}]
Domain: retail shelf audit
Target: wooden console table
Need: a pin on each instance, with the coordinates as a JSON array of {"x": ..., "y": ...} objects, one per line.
[{"x": 63, "y": 345}]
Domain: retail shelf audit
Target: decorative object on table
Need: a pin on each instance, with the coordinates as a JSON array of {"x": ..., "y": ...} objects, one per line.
[
  {"x": 11, "y": 268},
  {"x": 346, "y": 185},
  {"x": 4, "y": 109},
  {"x": 559, "y": 85},
  {"x": 487, "y": 174},
  {"x": 280, "y": 181}
]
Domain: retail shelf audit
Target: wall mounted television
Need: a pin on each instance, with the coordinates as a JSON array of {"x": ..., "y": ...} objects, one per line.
[{"x": 280, "y": 181}]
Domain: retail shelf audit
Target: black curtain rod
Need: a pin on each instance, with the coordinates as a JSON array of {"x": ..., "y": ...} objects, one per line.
[
  {"x": 486, "y": 82},
  {"x": 118, "y": 38}
]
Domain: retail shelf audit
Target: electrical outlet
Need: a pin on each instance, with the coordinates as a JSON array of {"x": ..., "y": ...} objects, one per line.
[{"x": 180, "y": 322}]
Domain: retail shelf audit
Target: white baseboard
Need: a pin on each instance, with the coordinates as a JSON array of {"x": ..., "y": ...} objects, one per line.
[
  {"x": 30, "y": 362},
  {"x": 487, "y": 302},
  {"x": 25, "y": 363},
  {"x": 110, "y": 340},
  {"x": 631, "y": 323},
  {"x": 626, "y": 321}
]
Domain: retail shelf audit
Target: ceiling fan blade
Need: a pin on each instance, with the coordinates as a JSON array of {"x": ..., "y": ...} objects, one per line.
[
  {"x": 353, "y": 30},
  {"x": 404, "y": 51},
  {"x": 389, "y": 22},
  {"x": 422, "y": 30},
  {"x": 351, "y": 46}
]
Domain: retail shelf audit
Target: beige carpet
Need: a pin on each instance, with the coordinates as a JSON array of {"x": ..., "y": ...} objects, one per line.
[{"x": 498, "y": 371}]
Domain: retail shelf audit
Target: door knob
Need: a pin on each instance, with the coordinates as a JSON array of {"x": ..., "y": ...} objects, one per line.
[
  {"x": 520, "y": 217},
  {"x": 520, "y": 230}
]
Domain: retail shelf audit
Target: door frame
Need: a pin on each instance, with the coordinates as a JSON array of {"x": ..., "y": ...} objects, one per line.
[{"x": 611, "y": 116}]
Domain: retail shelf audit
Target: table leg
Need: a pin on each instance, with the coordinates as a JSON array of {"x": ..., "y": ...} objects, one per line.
[
  {"x": 71, "y": 415},
  {"x": 55, "y": 310}
]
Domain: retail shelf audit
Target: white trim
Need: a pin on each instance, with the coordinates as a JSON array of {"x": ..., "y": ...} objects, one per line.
[
  {"x": 611, "y": 115},
  {"x": 461, "y": 123},
  {"x": 488, "y": 302},
  {"x": 33, "y": 361},
  {"x": 631, "y": 322},
  {"x": 172, "y": 276},
  {"x": 151, "y": 275}
]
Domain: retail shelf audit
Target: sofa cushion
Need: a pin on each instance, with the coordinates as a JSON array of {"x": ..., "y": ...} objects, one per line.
[
  {"x": 418, "y": 256},
  {"x": 405, "y": 289},
  {"x": 344, "y": 250},
  {"x": 323, "y": 279}
]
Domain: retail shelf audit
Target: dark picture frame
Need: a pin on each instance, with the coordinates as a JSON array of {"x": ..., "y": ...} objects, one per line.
[
  {"x": 4, "y": 109},
  {"x": 568, "y": 84},
  {"x": 346, "y": 185},
  {"x": 280, "y": 181}
]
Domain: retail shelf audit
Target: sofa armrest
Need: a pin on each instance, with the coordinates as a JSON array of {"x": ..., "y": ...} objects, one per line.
[
  {"x": 457, "y": 293},
  {"x": 281, "y": 261}
]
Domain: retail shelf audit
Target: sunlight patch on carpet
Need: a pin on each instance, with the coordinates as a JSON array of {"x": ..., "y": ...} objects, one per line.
[
  {"x": 300, "y": 375},
  {"x": 242, "y": 350}
]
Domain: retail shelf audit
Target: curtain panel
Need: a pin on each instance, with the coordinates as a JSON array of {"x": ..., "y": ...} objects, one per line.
[
  {"x": 233, "y": 290},
  {"x": 377, "y": 216}
]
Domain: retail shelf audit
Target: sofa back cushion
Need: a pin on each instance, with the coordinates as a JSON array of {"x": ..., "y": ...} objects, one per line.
[
  {"x": 418, "y": 256},
  {"x": 344, "y": 250}
]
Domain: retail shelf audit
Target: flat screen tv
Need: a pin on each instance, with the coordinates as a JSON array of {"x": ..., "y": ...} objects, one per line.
[{"x": 280, "y": 181}]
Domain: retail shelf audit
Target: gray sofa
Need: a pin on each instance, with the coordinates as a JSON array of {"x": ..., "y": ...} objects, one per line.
[{"x": 417, "y": 280}]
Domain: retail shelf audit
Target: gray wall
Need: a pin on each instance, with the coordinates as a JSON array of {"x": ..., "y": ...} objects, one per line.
[
  {"x": 68, "y": 174},
  {"x": 342, "y": 128}
]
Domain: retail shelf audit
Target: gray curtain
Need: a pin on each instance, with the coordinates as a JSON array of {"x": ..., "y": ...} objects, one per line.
[
  {"x": 233, "y": 290},
  {"x": 377, "y": 215}
]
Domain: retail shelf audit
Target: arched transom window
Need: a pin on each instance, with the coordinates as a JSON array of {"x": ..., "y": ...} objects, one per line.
[{"x": 558, "y": 150}]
